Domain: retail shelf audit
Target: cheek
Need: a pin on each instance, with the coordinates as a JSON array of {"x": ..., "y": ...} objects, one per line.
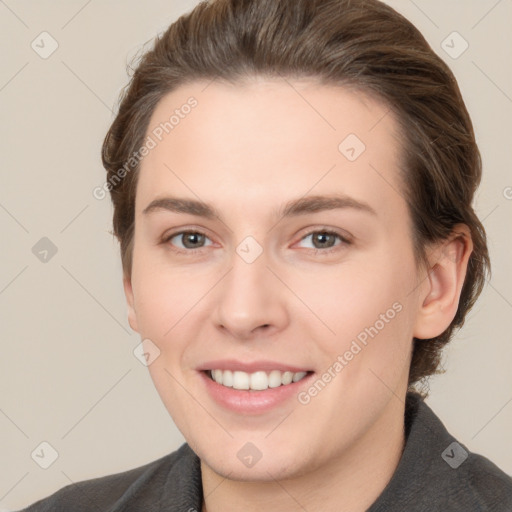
[
  {"x": 164, "y": 296},
  {"x": 153, "y": 305},
  {"x": 354, "y": 295},
  {"x": 164, "y": 302},
  {"x": 381, "y": 330},
  {"x": 368, "y": 305}
]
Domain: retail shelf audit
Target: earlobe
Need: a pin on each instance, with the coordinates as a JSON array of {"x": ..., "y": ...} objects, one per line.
[
  {"x": 128, "y": 292},
  {"x": 443, "y": 284}
]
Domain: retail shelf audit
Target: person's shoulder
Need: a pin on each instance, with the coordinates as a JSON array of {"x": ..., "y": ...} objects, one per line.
[
  {"x": 110, "y": 492},
  {"x": 485, "y": 483},
  {"x": 437, "y": 473},
  {"x": 467, "y": 480}
]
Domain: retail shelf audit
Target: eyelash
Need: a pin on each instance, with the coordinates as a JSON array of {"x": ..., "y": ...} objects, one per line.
[{"x": 344, "y": 241}]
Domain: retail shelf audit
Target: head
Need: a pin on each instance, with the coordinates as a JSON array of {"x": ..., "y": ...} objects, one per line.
[{"x": 274, "y": 102}]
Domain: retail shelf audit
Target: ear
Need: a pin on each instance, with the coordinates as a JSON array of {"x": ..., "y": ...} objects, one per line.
[
  {"x": 128, "y": 292},
  {"x": 441, "y": 288}
]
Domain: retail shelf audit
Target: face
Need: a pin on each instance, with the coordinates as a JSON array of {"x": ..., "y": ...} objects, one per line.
[{"x": 297, "y": 264}]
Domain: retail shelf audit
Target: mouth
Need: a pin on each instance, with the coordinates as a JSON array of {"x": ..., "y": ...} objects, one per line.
[
  {"x": 259, "y": 380},
  {"x": 253, "y": 388}
]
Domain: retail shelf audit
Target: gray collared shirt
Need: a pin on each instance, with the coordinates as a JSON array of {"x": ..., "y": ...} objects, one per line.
[{"x": 435, "y": 473}]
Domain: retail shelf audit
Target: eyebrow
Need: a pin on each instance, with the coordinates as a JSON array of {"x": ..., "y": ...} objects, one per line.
[{"x": 295, "y": 207}]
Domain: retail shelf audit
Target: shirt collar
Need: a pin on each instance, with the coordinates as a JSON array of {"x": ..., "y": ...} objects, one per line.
[{"x": 421, "y": 467}]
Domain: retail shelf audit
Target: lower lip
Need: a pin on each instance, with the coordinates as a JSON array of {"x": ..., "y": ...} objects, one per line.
[{"x": 249, "y": 401}]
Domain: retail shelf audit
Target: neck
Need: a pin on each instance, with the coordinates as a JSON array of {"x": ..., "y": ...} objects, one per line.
[{"x": 349, "y": 483}]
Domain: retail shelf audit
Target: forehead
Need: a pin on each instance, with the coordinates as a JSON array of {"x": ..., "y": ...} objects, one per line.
[{"x": 274, "y": 139}]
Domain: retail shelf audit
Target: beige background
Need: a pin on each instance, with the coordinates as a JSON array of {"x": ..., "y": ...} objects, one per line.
[{"x": 68, "y": 375}]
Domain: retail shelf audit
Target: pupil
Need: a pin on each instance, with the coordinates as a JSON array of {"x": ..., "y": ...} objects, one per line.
[
  {"x": 189, "y": 238},
  {"x": 321, "y": 235}
]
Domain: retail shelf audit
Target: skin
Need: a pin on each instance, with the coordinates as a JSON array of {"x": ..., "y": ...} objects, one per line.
[{"x": 247, "y": 150}]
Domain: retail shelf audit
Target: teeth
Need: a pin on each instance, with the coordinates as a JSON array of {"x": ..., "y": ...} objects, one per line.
[
  {"x": 257, "y": 381},
  {"x": 274, "y": 379},
  {"x": 240, "y": 380},
  {"x": 217, "y": 376},
  {"x": 287, "y": 378},
  {"x": 298, "y": 376},
  {"x": 227, "y": 378}
]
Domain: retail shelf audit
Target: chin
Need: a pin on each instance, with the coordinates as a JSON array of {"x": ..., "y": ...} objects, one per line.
[
  {"x": 262, "y": 471},
  {"x": 258, "y": 462}
]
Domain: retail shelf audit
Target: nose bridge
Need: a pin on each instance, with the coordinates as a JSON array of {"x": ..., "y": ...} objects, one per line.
[{"x": 250, "y": 296}]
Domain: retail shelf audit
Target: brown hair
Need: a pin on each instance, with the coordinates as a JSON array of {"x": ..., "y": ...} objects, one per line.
[{"x": 358, "y": 43}]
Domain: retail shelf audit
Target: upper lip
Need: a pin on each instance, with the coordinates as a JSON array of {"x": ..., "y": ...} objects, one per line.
[{"x": 250, "y": 367}]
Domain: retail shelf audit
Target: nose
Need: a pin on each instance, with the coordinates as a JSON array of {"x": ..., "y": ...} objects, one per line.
[{"x": 251, "y": 301}]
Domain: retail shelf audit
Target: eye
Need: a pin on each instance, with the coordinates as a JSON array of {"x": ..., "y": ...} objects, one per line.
[
  {"x": 190, "y": 241},
  {"x": 324, "y": 240}
]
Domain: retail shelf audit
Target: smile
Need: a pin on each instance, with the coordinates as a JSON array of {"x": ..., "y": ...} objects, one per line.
[{"x": 256, "y": 381}]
